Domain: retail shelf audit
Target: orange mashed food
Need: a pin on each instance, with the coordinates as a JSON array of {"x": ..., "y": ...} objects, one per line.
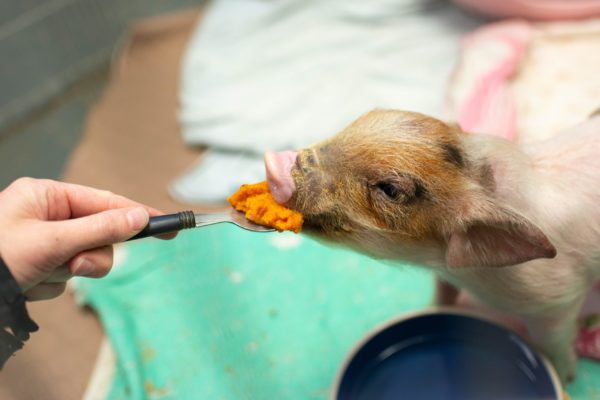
[{"x": 257, "y": 202}]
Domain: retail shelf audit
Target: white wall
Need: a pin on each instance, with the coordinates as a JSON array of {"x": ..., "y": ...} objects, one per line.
[{"x": 46, "y": 45}]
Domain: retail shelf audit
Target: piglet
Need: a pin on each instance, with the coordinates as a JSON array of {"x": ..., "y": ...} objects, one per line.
[{"x": 518, "y": 227}]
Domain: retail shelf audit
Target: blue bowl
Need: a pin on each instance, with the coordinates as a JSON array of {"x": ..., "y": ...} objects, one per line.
[{"x": 445, "y": 354}]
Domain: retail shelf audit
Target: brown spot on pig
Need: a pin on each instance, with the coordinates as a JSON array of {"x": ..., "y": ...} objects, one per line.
[{"x": 388, "y": 171}]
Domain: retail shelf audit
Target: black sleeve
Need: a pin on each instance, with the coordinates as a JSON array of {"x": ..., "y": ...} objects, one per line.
[{"x": 15, "y": 324}]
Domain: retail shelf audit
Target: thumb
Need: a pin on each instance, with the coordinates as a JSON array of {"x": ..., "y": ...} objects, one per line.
[{"x": 101, "y": 229}]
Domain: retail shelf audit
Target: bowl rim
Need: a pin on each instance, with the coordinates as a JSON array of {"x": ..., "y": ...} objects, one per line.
[{"x": 432, "y": 310}]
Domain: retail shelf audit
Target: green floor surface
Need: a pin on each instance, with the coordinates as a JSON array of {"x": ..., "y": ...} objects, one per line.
[{"x": 220, "y": 313}]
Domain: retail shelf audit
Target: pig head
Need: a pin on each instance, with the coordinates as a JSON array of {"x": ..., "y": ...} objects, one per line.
[
  {"x": 479, "y": 210},
  {"x": 401, "y": 185}
]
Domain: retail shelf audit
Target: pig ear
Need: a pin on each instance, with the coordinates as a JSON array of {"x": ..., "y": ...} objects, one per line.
[{"x": 497, "y": 239}]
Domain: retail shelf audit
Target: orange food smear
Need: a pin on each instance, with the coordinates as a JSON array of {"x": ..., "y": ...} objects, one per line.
[{"x": 257, "y": 202}]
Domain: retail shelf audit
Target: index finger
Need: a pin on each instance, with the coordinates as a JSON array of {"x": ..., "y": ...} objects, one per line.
[{"x": 84, "y": 200}]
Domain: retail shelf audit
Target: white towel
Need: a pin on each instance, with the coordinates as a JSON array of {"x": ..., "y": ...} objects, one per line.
[{"x": 272, "y": 75}]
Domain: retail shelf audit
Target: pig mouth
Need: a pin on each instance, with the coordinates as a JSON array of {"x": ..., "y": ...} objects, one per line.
[
  {"x": 290, "y": 182},
  {"x": 279, "y": 175},
  {"x": 295, "y": 182}
]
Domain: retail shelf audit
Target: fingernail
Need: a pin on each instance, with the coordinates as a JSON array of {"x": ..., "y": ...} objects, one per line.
[
  {"x": 137, "y": 218},
  {"x": 83, "y": 268}
]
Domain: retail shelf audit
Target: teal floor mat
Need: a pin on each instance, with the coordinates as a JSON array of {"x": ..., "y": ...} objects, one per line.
[{"x": 220, "y": 313}]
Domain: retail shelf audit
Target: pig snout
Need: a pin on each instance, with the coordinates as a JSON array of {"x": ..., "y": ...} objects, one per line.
[{"x": 279, "y": 174}]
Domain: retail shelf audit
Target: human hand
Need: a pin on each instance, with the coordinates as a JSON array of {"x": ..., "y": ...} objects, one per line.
[{"x": 51, "y": 231}]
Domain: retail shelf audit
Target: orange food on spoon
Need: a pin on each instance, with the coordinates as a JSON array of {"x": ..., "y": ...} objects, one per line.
[{"x": 257, "y": 202}]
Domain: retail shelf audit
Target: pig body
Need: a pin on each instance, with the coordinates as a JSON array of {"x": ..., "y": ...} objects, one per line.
[
  {"x": 517, "y": 227},
  {"x": 555, "y": 185}
]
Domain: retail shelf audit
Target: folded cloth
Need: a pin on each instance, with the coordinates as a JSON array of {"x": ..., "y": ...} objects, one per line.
[
  {"x": 221, "y": 313},
  {"x": 261, "y": 76},
  {"x": 526, "y": 82}
]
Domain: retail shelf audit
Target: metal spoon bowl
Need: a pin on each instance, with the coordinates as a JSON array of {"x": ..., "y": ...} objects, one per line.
[{"x": 232, "y": 216}]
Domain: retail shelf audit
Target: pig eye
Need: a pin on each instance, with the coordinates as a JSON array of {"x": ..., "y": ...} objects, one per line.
[
  {"x": 403, "y": 188},
  {"x": 390, "y": 190}
]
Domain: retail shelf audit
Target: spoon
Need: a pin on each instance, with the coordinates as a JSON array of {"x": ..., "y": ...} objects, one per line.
[{"x": 188, "y": 219}]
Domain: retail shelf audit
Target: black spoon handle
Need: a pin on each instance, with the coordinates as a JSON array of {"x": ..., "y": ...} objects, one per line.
[{"x": 166, "y": 224}]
